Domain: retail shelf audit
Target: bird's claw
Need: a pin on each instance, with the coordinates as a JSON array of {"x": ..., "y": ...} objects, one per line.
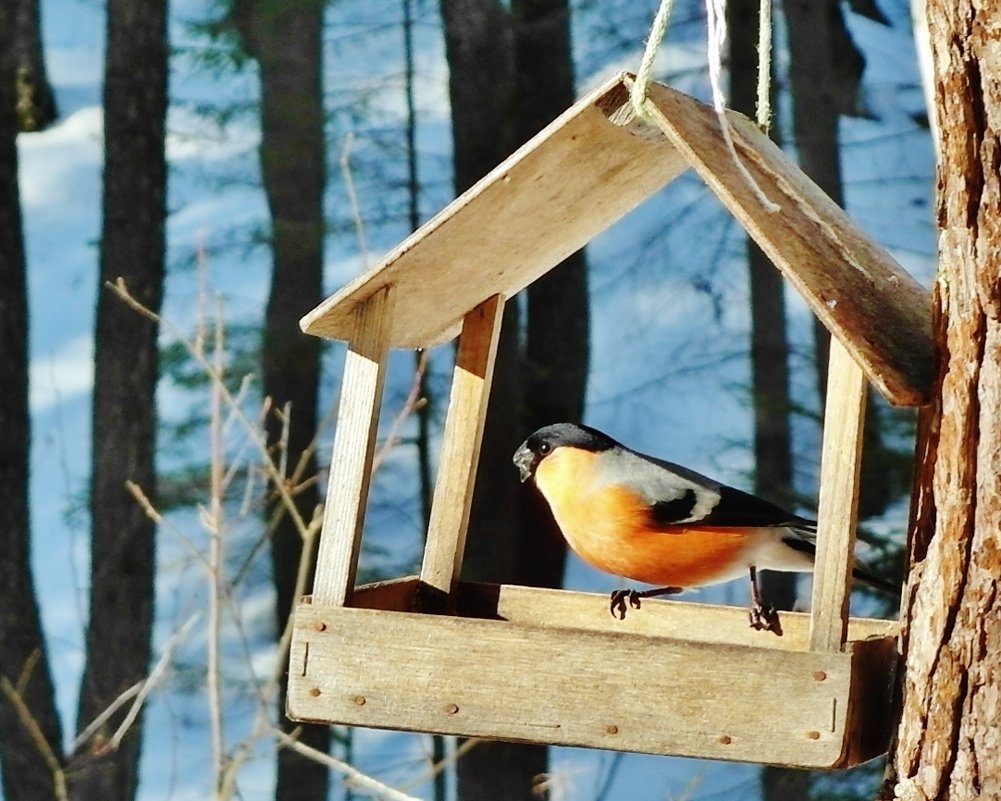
[
  {"x": 764, "y": 618},
  {"x": 617, "y": 602}
]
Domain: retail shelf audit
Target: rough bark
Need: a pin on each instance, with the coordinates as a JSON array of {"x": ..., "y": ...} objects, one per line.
[
  {"x": 286, "y": 41},
  {"x": 24, "y": 772},
  {"x": 948, "y": 745},
  {"x": 125, "y": 377},
  {"x": 36, "y": 103}
]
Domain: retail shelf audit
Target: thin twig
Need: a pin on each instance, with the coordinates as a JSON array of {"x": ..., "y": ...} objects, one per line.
[
  {"x": 35, "y": 732},
  {"x": 92, "y": 728},
  {"x": 216, "y": 559},
  {"x": 349, "y": 184},
  {"x": 409, "y": 405},
  {"x": 146, "y": 687},
  {"x": 120, "y": 288},
  {"x": 353, "y": 775},
  {"x": 151, "y": 512},
  {"x": 460, "y": 751}
]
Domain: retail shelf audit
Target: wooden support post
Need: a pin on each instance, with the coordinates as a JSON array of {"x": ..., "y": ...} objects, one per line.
[
  {"x": 837, "y": 516},
  {"x": 460, "y": 451},
  {"x": 354, "y": 445}
]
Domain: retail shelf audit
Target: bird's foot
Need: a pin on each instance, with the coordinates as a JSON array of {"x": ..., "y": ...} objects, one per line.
[
  {"x": 617, "y": 602},
  {"x": 764, "y": 618},
  {"x": 619, "y": 597}
]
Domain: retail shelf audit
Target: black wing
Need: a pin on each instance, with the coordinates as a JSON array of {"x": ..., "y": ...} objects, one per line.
[{"x": 741, "y": 509}]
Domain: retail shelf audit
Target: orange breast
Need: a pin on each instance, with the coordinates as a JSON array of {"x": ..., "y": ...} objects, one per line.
[{"x": 610, "y": 528}]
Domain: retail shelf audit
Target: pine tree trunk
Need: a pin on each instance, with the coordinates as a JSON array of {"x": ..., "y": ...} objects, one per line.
[
  {"x": 24, "y": 772},
  {"x": 36, "y": 103},
  {"x": 948, "y": 745},
  {"x": 287, "y": 42},
  {"x": 825, "y": 75},
  {"x": 773, "y": 467},
  {"x": 557, "y": 343},
  {"x": 126, "y": 356},
  {"x": 478, "y": 47}
]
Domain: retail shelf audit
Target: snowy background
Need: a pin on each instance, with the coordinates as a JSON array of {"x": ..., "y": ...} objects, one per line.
[{"x": 656, "y": 277}]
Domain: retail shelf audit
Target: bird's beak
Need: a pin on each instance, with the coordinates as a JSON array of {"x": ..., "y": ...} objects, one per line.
[{"x": 524, "y": 460}]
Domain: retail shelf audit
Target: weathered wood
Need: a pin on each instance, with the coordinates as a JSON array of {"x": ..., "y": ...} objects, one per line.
[
  {"x": 837, "y": 512},
  {"x": 354, "y": 444},
  {"x": 549, "y": 199},
  {"x": 585, "y": 610},
  {"x": 460, "y": 446},
  {"x": 865, "y": 299},
  {"x": 571, "y": 686},
  {"x": 588, "y": 169}
]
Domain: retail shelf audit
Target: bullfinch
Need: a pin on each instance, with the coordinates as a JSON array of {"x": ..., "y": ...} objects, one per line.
[{"x": 652, "y": 521}]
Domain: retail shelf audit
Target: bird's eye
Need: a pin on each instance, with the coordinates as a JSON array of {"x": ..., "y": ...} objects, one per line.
[{"x": 544, "y": 448}]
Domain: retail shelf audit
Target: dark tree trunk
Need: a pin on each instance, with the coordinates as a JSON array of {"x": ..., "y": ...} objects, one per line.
[
  {"x": 286, "y": 41},
  {"x": 825, "y": 73},
  {"x": 24, "y": 664},
  {"x": 125, "y": 377},
  {"x": 523, "y": 61},
  {"x": 480, "y": 58},
  {"x": 480, "y": 55},
  {"x": 36, "y": 104},
  {"x": 769, "y": 369},
  {"x": 557, "y": 336}
]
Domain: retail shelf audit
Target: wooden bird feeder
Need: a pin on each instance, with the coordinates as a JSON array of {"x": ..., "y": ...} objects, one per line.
[{"x": 435, "y": 654}]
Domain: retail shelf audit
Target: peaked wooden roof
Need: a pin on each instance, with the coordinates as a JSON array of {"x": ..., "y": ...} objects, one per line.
[{"x": 595, "y": 163}]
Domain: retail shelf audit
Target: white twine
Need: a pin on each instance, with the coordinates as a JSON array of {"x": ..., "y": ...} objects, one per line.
[
  {"x": 764, "y": 101},
  {"x": 716, "y": 20}
]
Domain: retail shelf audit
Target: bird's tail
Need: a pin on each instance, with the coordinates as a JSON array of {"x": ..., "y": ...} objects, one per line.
[
  {"x": 801, "y": 539},
  {"x": 867, "y": 577}
]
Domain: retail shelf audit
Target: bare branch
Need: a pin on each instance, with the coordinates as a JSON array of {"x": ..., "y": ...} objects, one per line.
[
  {"x": 34, "y": 730},
  {"x": 353, "y": 776}
]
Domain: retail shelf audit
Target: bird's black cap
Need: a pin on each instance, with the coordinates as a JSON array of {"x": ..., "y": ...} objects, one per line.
[
  {"x": 547, "y": 439},
  {"x": 570, "y": 435}
]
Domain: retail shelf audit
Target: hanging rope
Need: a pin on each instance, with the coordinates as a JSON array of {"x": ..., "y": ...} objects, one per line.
[
  {"x": 657, "y": 31},
  {"x": 716, "y": 18},
  {"x": 764, "y": 100}
]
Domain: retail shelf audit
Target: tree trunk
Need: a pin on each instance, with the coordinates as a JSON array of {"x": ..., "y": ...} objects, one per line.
[
  {"x": 773, "y": 467},
  {"x": 558, "y": 325},
  {"x": 36, "y": 104},
  {"x": 293, "y": 169},
  {"x": 523, "y": 61},
  {"x": 948, "y": 745},
  {"x": 479, "y": 50},
  {"x": 825, "y": 74},
  {"x": 22, "y": 646},
  {"x": 125, "y": 376}
]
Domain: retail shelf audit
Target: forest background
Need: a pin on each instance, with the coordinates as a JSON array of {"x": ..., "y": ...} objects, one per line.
[{"x": 672, "y": 337}]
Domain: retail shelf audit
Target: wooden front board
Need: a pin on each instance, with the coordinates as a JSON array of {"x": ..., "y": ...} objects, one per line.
[{"x": 603, "y": 689}]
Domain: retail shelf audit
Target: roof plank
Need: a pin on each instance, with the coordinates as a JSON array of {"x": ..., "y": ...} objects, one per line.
[
  {"x": 593, "y": 165},
  {"x": 874, "y": 307},
  {"x": 556, "y": 193}
]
